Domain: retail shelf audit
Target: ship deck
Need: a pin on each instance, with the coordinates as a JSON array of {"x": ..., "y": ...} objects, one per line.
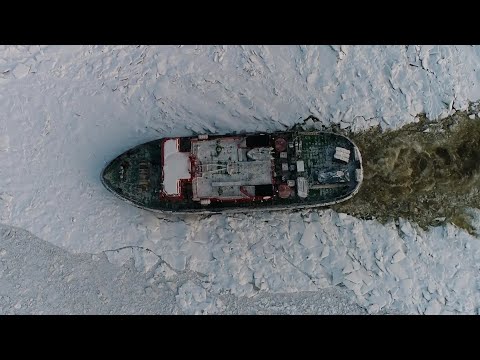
[{"x": 244, "y": 172}]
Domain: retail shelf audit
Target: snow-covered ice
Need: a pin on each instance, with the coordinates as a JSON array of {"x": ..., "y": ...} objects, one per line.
[
  {"x": 68, "y": 110},
  {"x": 4, "y": 143}
]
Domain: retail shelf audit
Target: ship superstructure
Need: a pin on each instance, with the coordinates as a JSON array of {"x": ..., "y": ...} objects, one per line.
[{"x": 216, "y": 173}]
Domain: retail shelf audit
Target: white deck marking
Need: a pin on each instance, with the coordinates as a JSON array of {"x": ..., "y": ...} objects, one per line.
[{"x": 176, "y": 166}]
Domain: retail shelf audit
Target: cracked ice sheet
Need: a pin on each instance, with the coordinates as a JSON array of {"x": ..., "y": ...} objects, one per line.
[
  {"x": 77, "y": 107},
  {"x": 402, "y": 268},
  {"x": 37, "y": 277}
]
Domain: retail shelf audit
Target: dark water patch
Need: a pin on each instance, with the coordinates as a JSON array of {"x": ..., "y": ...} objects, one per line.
[{"x": 427, "y": 172}]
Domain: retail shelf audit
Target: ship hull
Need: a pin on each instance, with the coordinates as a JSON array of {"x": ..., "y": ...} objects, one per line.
[{"x": 237, "y": 173}]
